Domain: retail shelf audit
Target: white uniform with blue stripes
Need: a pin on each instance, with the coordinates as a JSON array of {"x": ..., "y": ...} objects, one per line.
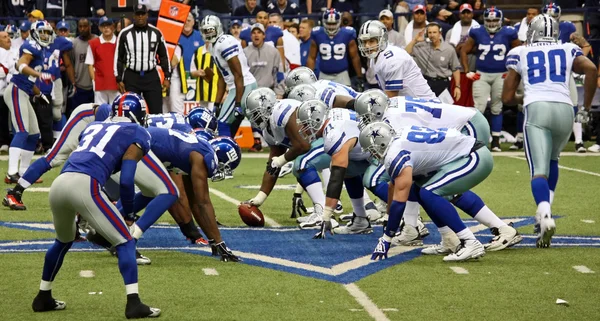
[
  {"x": 408, "y": 111},
  {"x": 280, "y": 114},
  {"x": 395, "y": 70},
  {"x": 225, "y": 48},
  {"x": 327, "y": 90},
  {"x": 343, "y": 126}
]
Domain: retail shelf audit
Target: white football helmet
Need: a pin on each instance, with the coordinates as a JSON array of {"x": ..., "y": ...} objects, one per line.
[
  {"x": 259, "y": 104},
  {"x": 372, "y": 29},
  {"x": 303, "y": 93},
  {"x": 371, "y": 105},
  {"x": 299, "y": 76},
  {"x": 542, "y": 28},
  {"x": 211, "y": 28},
  {"x": 376, "y": 138},
  {"x": 310, "y": 118},
  {"x": 41, "y": 31}
]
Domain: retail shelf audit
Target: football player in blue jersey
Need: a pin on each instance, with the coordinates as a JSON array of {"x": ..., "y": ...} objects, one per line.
[
  {"x": 60, "y": 51},
  {"x": 104, "y": 148},
  {"x": 334, "y": 44},
  {"x": 17, "y": 94},
  {"x": 273, "y": 34},
  {"x": 491, "y": 44},
  {"x": 198, "y": 160},
  {"x": 66, "y": 142}
]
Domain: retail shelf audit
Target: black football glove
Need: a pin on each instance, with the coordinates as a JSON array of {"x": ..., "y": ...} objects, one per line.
[
  {"x": 298, "y": 206},
  {"x": 273, "y": 171},
  {"x": 325, "y": 227},
  {"x": 220, "y": 249},
  {"x": 360, "y": 83}
]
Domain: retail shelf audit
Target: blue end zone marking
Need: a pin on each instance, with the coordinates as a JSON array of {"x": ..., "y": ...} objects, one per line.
[{"x": 287, "y": 249}]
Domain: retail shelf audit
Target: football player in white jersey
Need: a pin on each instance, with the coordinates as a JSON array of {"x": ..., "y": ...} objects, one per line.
[
  {"x": 545, "y": 67},
  {"x": 373, "y": 105},
  {"x": 233, "y": 72},
  {"x": 396, "y": 71},
  {"x": 442, "y": 163}
]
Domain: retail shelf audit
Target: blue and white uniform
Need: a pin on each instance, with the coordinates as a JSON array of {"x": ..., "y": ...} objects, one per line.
[
  {"x": 327, "y": 90},
  {"x": 333, "y": 53},
  {"x": 169, "y": 120}
]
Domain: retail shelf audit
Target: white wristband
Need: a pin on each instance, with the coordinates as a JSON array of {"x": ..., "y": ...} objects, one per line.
[
  {"x": 387, "y": 238},
  {"x": 278, "y": 161},
  {"x": 21, "y": 67},
  {"x": 327, "y": 213},
  {"x": 259, "y": 198}
]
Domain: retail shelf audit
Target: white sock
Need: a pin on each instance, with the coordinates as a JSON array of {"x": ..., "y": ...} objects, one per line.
[
  {"x": 551, "y": 197},
  {"x": 366, "y": 197},
  {"x": 486, "y": 217},
  {"x": 578, "y": 133},
  {"x": 45, "y": 285},
  {"x": 325, "y": 174},
  {"x": 316, "y": 194},
  {"x": 131, "y": 288},
  {"x": 543, "y": 209},
  {"x": 444, "y": 230},
  {"x": 26, "y": 157},
  {"x": 358, "y": 205},
  {"x": 14, "y": 154},
  {"x": 466, "y": 234},
  {"x": 55, "y": 134},
  {"x": 411, "y": 213},
  {"x": 24, "y": 183},
  {"x": 299, "y": 189}
]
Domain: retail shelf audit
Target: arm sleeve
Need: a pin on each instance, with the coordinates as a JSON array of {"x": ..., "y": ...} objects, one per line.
[
  {"x": 89, "y": 57},
  {"x": 163, "y": 56},
  {"x": 513, "y": 60},
  {"x": 127, "y": 185}
]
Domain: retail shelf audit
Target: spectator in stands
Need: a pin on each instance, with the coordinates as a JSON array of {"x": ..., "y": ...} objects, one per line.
[
  {"x": 304, "y": 32},
  {"x": 523, "y": 25},
  {"x": 417, "y": 25},
  {"x": 291, "y": 45},
  {"x": 81, "y": 8},
  {"x": 315, "y": 6},
  {"x": 457, "y": 36},
  {"x": 394, "y": 37},
  {"x": 437, "y": 60},
  {"x": 406, "y": 7},
  {"x": 118, "y": 29},
  {"x": 216, "y": 7},
  {"x": 35, "y": 15},
  {"x": 263, "y": 60},
  {"x": 84, "y": 92},
  {"x": 371, "y": 6},
  {"x": 447, "y": 4},
  {"x": 17, "y": 43},
  {"x": 7, "y": 68},
  {"x": 100, "y": 59},
  {"x": 235, "y": 29},
  {"x": 250, "y": 8},
  {"x": 153, "y": 8},
  {"x": 62, "y": 30},
  {"x": 440, "y": 16},
  {"x": 292, "y": 28},
  {"x": 283, "y": 7},
  {"x": 54, "y": 8}
]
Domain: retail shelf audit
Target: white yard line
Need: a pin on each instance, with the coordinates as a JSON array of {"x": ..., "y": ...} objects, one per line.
[
  {"x": 209, "y": 271},
  {"x": 362, "y": 299},
  {"x": 269, "y": 221},
  {"x": 583, "y": 269},
  {"x": 459, "y": 270},
  {"x": 564, "y": 167}
]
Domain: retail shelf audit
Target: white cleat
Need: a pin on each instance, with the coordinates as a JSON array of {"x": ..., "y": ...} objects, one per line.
[
  {"x": 423, "y": 230},
  {"x": 594, "y": 148},
  {"x": 547, "y": 230},
  {"x": 449, "y": 244},
  {"x": 374, "y": 214},
  {"x": 142, "y": 260},
  {"x": 468, "y": 249},
  {"x": 504, "y": 237},
  {"x": 286, "y": 169},
  {"x": 313, "y": 220},
  {"x": 409, "y": 236},
  {"x": 358, "y": 225},
  {"x": 339, "y": 209},
  {"x": 382, "y": 220},
  {"x": 381, "y": 206}
]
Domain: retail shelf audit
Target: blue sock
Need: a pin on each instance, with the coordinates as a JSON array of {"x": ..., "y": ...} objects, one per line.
[
  {"x": 381, "y": 191},
  {"x": 354, "y": 187},
  {"x": 540, "y": 190},
  {"x": 308, "y": 177},
  {"x": 155, "y": 210},
  {"x": 470, "y": 203},
  {"x": 127, "y": 262},
  {"x": 520, "y": 121},
  {"x": 553, "y": 175},
  {"x": 38, "y": 168},
  {"x": 19, "y": 140},
  {"x": 32, "y": 141},
  {"x": 496, "y": 123},
  {"x": 442, "y": 210},
  {"x": 54, "y": 259},
  {"x": 58, "y": 126}
]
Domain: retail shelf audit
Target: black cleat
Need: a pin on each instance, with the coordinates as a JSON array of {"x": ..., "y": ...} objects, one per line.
[
  {"x": 45, "y": 302},
  {"x": 135, "y": 309}
]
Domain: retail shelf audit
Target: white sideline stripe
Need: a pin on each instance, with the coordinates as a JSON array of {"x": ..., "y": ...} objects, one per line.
[
  {"x": 459, "y": 270},
  {"x": 209, "y": 271},
  {"x": 565, "y": 167},
  {"x": 365, "y": 302},
  {"x": 38, "y": 189},
  {"x": 588, "y": 221},
  {"x": 583, "y": 269},
  {"x": 269, "y": 221},
  {"x": 503, "y": 154}
]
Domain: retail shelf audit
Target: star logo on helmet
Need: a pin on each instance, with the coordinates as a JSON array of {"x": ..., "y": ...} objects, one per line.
[
  {"x": 373, "y": 102},
  {"x": 301, "y": 94},
  {"x": 313, "y": 109},
  {"x": 296, "y": 78},
  {"x": 262, "y": 98},
  {"x": 375, "y": 134}
]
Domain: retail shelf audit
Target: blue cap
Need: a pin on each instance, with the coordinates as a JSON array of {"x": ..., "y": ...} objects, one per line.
[
  {"x": 25, "y": 26},
  {"x": 236, "y": 22},
  {"x": 105, "y": 20},
  {"x": 62, "y": 25}
]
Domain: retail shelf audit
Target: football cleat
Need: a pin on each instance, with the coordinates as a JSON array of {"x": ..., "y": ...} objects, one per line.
[
  {"x": 504, "y": 237},
  {"x": 142, "y": 260},
  {"x": 546, "y": 229},
  {"x": 358, "y": 225},
  {"x": 13, "y": 200},
  {"x": 518, "y": 145},
  {"x": 409, "y": 236},
  {"x": 41, "y": 304},
  {"x": 449, "y": 244},
  {"x": 286, "y": 169},
  {"x": 199, "y": 241},
  {"x": 140, "y": 311},
  {"x": 496, "y": 144},
  {"x": 423, "y": 230},
  {"x": 11, "y": 179},
  {"x": 220, "y": 249},
  {"x": 580, "y": 148},
  {"x": 594, "y": 148},
  {"x": 313, "y": 220},
  {"x": 468, "y": 249}
]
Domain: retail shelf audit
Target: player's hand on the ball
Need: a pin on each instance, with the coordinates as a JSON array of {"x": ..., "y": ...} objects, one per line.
[
  {"x": 325, "y": 227},
  {"x": 298, "y": 206},
  {"x": 250, "y": 202},
  {"x": 381, "y": 250},
  {"x": 226, "y": 254}
]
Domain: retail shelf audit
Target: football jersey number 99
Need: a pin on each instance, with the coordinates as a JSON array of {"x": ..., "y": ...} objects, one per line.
[{"x": 338, "y": 51}]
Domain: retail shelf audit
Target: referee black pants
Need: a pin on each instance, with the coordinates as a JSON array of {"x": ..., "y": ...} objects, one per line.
[
  {"x": 438, "y": 85},
  {"x": 147, "y": 85}
]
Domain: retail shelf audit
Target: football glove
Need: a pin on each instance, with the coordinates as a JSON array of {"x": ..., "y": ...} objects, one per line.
[
  {"x": 325, "y": 227},
  {"x": 298, "y": 206},
  {"x": 582, "y": 116},
  {"x": 46, "y": 77},
  {"x": 41, "y": 99},
  {"x": 473, "y": 75},
  {"x": 381, "y": 250},
  {"x": 71, "y": 91},
  {"x": 220, "y": 249},
  {"x": 273, "y": 171},
  {"x": 360, "y": 83}
]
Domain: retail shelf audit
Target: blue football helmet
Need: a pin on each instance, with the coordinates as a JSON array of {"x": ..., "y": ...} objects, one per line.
[
  {"x": 201, "y": 133},
  {"x": 129, "y": 105},
  {"x": 41, "y": 31},
  {"x": 13, "y": 32},
  {"x": 229, "y": 156},
  {"x": 492, "y": 19},
  {"x": 331, "y": 21},
  {"x": 202, "y": 118},
  {"x": 553, "y": 10}
]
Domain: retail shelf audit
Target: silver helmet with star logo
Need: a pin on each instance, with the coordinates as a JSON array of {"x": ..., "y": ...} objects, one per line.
[
  {"x": 259, "y": 104},
  {"x": 371, "y": 105},
  {"x": 302, "y": 93},
  {"x": 310, "y": 118},
  {"x": 376, "y": 138},
  {"x": 300, "y": 76}
]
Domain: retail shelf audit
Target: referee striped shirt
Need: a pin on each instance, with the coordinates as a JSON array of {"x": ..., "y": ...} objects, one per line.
[{"x": 137, "y": 50}]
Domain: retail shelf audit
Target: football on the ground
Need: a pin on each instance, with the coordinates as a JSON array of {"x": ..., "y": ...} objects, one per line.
[{"x": 252, "y": 216}]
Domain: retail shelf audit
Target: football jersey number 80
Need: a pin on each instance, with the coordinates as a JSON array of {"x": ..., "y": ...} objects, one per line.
[{"x": 339, "y": 51}]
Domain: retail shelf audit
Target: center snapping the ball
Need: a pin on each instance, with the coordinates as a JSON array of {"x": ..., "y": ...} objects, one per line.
[{"x": 251, "y": 215}]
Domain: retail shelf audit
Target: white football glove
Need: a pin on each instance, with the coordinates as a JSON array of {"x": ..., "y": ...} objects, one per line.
[
  {"x": 582, "y": 116},
  {"x": 473, "y": 75}
]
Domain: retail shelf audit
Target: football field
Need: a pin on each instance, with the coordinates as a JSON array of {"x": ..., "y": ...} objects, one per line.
[{"x": 286, "y": 275}]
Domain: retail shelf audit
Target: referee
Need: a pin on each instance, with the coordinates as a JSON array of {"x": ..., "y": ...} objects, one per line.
[{"x": 138, "y": 46}]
